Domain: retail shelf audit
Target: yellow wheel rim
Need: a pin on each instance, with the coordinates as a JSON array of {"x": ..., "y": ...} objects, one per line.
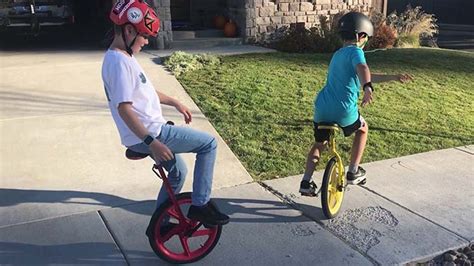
[{"x": 334, "y": 195}]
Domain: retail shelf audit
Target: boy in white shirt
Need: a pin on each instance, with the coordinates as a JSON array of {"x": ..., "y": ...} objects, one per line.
[{"x": 136, "y": 109}]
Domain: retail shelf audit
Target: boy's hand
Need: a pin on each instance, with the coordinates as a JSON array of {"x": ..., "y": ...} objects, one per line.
[
  {"x": 188, "y": 118},
  {"x": 368, "y": 98},
  {"x": 404, "y": 78},
  {"x": 160, "y": 151}
]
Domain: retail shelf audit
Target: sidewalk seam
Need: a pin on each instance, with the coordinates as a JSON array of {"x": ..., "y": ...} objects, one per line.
[
  {"x": 48, "y": 218},
  {"x": 292, "y": 204},
  {"x": 468, "y": 152},
  {"x": 107, "y": 227}
]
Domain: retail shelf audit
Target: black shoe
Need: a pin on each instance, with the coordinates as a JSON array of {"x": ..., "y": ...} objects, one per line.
[
  {"x": 208, "y": 214},
  {"x": 308, "y": 188},
  {"x": 163, "y": 229},
  {"x": 358, "y": 177}
]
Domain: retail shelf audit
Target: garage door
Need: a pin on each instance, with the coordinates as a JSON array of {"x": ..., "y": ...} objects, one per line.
[
  {"x": 447, "y": 11},
  {"x": 59, "y": 22}
]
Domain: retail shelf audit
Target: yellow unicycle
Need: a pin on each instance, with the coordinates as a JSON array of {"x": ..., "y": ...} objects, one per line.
[{"x": 334, "y": 178}]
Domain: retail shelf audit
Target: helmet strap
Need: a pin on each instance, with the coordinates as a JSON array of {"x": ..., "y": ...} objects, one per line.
[
  {"x": 361, "y": 45},
  {"x": 128, "y": 47}
]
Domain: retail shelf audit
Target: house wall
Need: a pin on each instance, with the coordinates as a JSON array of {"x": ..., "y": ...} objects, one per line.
[
  {"x": 265, "y": 16},
  {"x": 236, "y": 11},
  {"x": 202, "y": 11},
  {"x": 258, "y": 18},
  {"x": 165, "y": 35}
]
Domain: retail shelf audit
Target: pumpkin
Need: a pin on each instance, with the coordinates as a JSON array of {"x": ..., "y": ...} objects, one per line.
[
  {"x": 219, "y": 21},
  {"x": 230, "y": 29}
]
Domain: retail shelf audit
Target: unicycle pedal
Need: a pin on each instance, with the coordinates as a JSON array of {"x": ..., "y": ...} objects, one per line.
[
  {"x": 208, "y": 226},
  {"x": 308, "y": 189}
]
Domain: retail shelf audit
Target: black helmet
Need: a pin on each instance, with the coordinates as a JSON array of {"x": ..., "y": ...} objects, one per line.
[{"x": 355, "y": 22}]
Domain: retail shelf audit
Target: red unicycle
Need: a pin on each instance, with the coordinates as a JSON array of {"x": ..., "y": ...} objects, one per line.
[{"x": 172, "y": 236}]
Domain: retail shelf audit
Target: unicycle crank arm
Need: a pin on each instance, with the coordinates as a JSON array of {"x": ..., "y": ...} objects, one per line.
[
  {"x": 193, "y": 230},
  {"x": 190, "y": 232},
  {"x": 161, "y": 174}
]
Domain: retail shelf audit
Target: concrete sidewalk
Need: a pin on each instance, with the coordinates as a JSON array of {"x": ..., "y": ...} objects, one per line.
[
  {"x": 411, "y": 208},
  {"x": 68, "y": 195},
  {"x": 409, "y": 211}
]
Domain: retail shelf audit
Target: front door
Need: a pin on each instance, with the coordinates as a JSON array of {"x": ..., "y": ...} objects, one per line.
[{"x": 180, "y": 13}]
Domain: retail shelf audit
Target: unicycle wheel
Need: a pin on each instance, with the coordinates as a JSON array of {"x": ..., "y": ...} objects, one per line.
[
  {"x": 186, "y": 240},
  {"x": 332, "y": 191}
]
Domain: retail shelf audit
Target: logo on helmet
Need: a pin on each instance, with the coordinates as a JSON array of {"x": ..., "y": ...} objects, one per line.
[
  {"x": 149, "y": 20},
  {"x": 134, "y": 15},
  {"x": 118, "y": 6},
  {"x": 121, "y": 6}
]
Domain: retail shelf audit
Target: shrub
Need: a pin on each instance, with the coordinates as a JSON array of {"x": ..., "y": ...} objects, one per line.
[
  {"x": 322, "y": 39},
  {"x": 411, "y": 25},
  {"x": 384, "y": 35},
  {"x": 326, "y": 37},
  {"x": 180, "y": 62},
  {"x": 295, "y": 40}
]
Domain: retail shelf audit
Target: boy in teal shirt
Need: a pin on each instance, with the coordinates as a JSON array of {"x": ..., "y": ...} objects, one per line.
[{"x": 337, "y": 101}]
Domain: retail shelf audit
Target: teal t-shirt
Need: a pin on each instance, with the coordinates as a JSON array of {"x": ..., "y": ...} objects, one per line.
[{"x": 337, "y": 101}]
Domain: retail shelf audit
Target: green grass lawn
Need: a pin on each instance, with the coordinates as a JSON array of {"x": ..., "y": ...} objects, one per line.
[{"x": 262, "y": 105}]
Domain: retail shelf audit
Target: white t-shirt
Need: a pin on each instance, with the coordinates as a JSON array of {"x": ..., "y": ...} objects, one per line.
[{"x": 125, "y": 81}]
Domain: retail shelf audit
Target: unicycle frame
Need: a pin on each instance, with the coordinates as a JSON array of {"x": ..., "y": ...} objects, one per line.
[
  {"x": 333, "y": 187},
  {"x": 332, "y": 149},
  {"x": 188, "y": 234},
  {"x": 187, "y": 229},
  {"x": 161, "y": 175}
]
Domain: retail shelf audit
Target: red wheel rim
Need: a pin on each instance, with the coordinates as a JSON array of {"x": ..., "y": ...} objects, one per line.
[{"x": 178, "y": 246}]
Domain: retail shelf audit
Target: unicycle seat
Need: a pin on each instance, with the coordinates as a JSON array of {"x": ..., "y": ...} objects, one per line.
[
  {"x": 330, "y": 126},
  {"x": 133, "y": 155}
]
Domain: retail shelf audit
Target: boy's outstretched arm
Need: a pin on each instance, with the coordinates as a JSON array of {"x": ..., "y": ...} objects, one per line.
[
  {"x": 363, "y": 72},
  {"x": 167, "y": 100},
  {"x": 379, "y": 78}
]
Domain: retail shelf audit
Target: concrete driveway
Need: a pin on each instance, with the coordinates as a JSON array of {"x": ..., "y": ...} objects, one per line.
[{"x": 60, "y": 147}]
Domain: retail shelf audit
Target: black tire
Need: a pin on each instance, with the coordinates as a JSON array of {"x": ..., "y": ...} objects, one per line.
[
  {"x": 329, "y": 173},
  {"x": 181, "y": 198}
]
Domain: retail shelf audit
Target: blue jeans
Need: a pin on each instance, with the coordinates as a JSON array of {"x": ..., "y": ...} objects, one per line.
[{"x": 186, "y": 140}]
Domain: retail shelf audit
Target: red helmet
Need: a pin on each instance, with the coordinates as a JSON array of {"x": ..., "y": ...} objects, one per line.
[{"x": 138, "y": 13}]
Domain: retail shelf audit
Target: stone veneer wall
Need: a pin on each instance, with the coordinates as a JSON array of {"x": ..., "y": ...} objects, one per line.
[
  {"x": 259, "y": 18},
  {"x": 165, "y": 36},
  {"x": 236, "y": 11},
  {"x": 265, "y": 16}
]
